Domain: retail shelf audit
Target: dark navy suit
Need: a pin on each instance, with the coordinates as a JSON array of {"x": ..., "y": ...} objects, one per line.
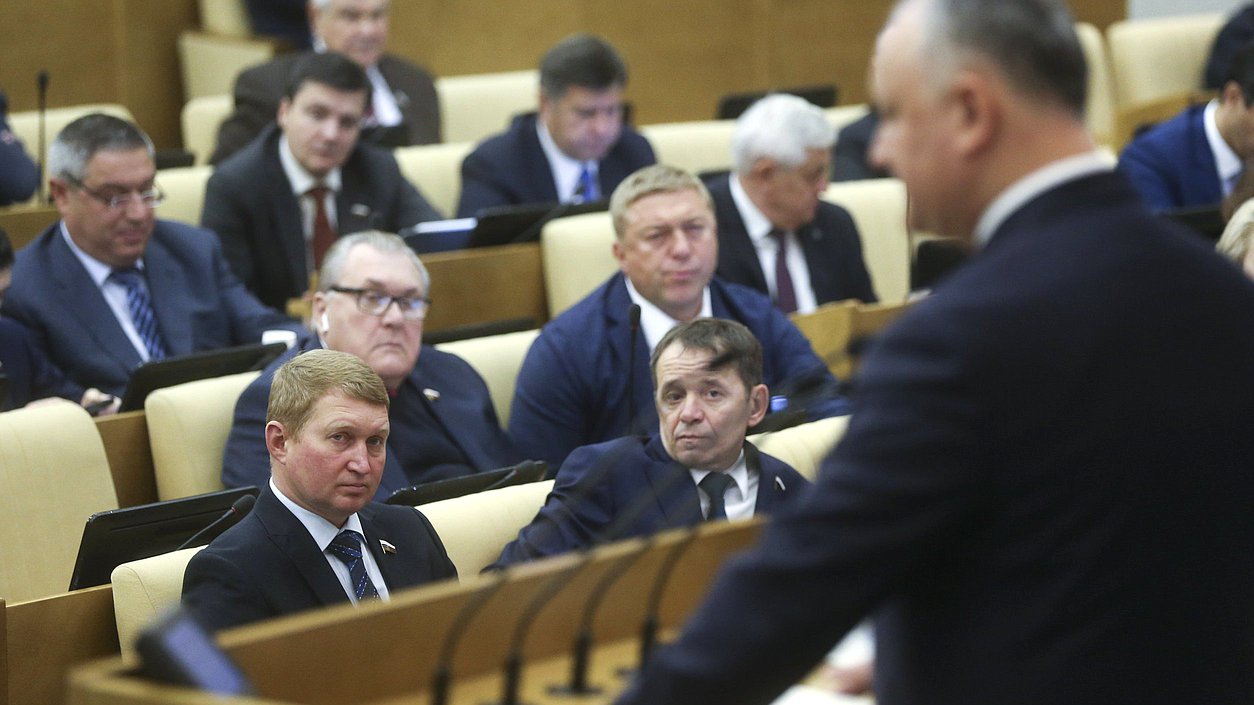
[
  {"x": 511, "y": 168},
  {"x": 1044, "y": 491},
  {"x": 19, "y": 177},
  {"x": 28, "y": 373},
  {"x": 1172, "y": 166},
  {"x": 601, "y": 485},
  {"x": 833, "y": 250},
  {"x": 198, "y": 303},
  {"x": 463, "y": 411},
  {"x": 573, "y": 386},
  {"x": 268, "y": 565},
  {"x": 250, "y": 205}
]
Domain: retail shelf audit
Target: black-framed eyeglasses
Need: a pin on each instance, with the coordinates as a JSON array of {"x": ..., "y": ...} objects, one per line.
[
  {"x": 376, "y": 303},
  {"x": 151, "y": 198}
]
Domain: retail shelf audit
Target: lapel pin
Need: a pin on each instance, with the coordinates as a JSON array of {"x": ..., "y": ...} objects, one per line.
[
  {"x": 431, "y": 394},
  {"x": 360, "y": 210},
  {"x": 780, "y": 484},
  {"x": 387, "y": 547}
]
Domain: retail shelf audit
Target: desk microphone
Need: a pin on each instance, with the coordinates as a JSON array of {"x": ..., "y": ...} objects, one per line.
[
  {"x": 633, "y": 321},
  {"x": 41, "y": 84},
  {"x": 238, "y": 510}
]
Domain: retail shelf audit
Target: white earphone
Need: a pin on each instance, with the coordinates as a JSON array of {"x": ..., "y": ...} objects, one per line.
[{"x": 325, "y": 324}]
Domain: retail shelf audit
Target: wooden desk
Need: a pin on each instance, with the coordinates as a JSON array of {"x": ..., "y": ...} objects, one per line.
[
  {"x": 42, "y": 639},
  {"x": 486, "y": 285},
  {"x": 24, "y": 223},
  {"x": 125, "y": 438}
]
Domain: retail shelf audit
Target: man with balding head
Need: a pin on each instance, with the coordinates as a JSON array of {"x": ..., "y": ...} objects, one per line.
[{"x": 1028, "y": 520}]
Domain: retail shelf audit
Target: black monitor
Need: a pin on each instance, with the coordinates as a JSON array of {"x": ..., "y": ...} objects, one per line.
[
  {"x": 505, "y": 225},
  {"x": 520, "y": 474},
  {"x": 731, "y": 106},
  {"x": 122, "y": 535},
  {"x": 178, "y": 650},
  {"x": 170, "y": 371},
  {"x": 439, "y": 235}
]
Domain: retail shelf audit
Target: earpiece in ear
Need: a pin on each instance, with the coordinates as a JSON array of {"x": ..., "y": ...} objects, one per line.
[{"x": 325, "y": 323}]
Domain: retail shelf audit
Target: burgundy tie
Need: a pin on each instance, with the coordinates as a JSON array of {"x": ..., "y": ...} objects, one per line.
[
  {"x": 323, "y": 234},
  {"x": 785, "y": 295}
]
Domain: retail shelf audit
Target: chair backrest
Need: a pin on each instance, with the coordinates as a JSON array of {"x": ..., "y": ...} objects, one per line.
[
  {"x": 436, "y": 171},
  {"x": 803, "y": 446},
  {"x": 696, "y": 146},
  {"x": 475, "y": 106},
  {"x": 200, "y": 119},
  {"x": 184, "y": 189},
  {"x": 497, "y": 359},
  {"x": 25, "y": 125},
  {"x": 576, "y": 256},
  {"x": 187, "y": 426},
  {"x": 53, "y": 475},
  {"x": 228, "y": 18},
  {"x": 475, "y": 528},
  {"x": 210, "y": 62},
  {"x": 1099, "y": 110},
  {"x": 842, "y": 115},
  {"x": 144, "y": 589},
  {"x": 878, "y": 207},
  {"x": 1160, "y": 57}
]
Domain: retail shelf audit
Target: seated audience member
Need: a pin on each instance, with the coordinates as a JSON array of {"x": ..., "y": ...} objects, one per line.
[
  {"x": 286, "y": 20},
  {"x": 1197, "y": 157},
  {"x": 109, "y": 286},
  {"x": 849, "y": 154},
  {"x": 576, "y": 149},
  {"x": 586, "y": 377},
  {"x": 1236, "y": 33},
  {"x": 443, "y": 421},
  {"x": 279, "y": 203},
  {"x": 403, "y": 110},
  {"x": 1235, "y": 241},
  {"x": 774, "y": 232},
  {"x": 19, "y": 177},
  {"x": 314, "y": 538},
  {"x": 707, "y": 376},
  {"x": 27, "y": 374}
]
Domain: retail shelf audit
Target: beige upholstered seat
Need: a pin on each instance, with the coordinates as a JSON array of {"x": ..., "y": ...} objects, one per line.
[
  {"x": 1099, "y": 110},
  {"x": 497, "y": 358},
  {"x": 144, "y": 589},
  {"x": 210, "y": 62},
  {"x": 696, "y": 146},
  {"x": 25, "y": 124},
  {"x": 1157, "y": 58},
  {"x": 476, "y": 106},
  {"x": 576, "y": 255},
  {"x": 435, "y": 170},
  {"x": 805, "y": 446},
  {"x": 475, "y": 528},
  {"x": 184, "y": 189},
  {"x": 200, "y": 119},
  {"x": 187, "y": 427},
  {"x": 842, "y": 115},
  {"x": 53, "y": 475},
  {"x": 227, "y": 18},
  {"x": 878, "y": 207}
]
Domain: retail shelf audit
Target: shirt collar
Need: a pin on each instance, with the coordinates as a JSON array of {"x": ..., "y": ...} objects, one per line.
[
  {"x": 322, "y": 531},
  {"x": 1227, "y": 163},
  {"x": 739, "y": 472},
  {"x": 654, "y": 322},
  {"x": 756, "y": 223},
  {"x": 300, "y": 179},
  {"x": 565, "y": 169},
  {"x": 97, "y": 270},
  {"x": 1034, "y": 184}
]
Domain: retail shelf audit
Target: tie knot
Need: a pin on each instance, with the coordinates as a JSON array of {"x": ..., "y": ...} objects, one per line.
[
  {"x": 347, "y": 545},
  {"x": 318, "y": 192},
  {"x": 777, "y": 235},
  {"x": 126, "y": 276},
  {"x": 715, "y": 484}
]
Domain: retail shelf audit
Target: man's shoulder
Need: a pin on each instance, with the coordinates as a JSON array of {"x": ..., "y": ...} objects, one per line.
[
  {"x": 1171, "y": 135},
  {"x": 273, "y": 73},
  {"x": 590, "y": 312},
  {"x": 392, "y": 66},
  {"x": 243, "y": 166},
  {"x": 632, "y": 143},
  {"x": 446, "y": 367},
  {"x": 770, "y": 466},
  {"x": 511, "y": 143},
  {"x": 182, "y": 237}
]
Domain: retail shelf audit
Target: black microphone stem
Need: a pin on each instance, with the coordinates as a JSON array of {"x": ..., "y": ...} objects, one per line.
[
  {"x": 633, "y": 320},
  {"x": 648, "y": 630}
]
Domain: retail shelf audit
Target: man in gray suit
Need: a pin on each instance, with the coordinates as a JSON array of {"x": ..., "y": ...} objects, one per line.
[{"x": 109, "y": 286}]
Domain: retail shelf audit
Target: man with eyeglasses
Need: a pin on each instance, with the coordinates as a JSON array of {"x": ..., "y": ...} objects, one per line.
[
  {"x": 586, "y": 377},
  {"x": 109, "y": 287},
  {"x": 371, "y": 303}
]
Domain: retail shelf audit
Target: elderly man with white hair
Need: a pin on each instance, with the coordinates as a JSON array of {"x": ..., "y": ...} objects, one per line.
[{"x": 775, "y": 234}]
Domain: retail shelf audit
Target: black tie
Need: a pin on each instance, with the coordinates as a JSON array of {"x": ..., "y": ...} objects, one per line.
[{"x": 715, "y": 486}]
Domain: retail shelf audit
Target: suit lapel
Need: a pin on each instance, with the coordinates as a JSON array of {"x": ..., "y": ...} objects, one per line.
[
  {"x": 398, "y": 573},
  {"x": 769, "y": 490},
  {"x": 737, "y": 256},
  {"x": 285, "y": 213},
  {"x": 641, "y": 379},
  {"x": 672, "y": 485},
  {"x": 353, "y": 208},
  {"x": 290, "y": 537},
  {"x": 540, "y": 172},
  {"x": 169, "y": 295},
  {"x": 80, "y": 295}
]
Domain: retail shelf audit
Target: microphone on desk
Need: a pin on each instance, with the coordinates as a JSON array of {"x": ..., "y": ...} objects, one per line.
[
  {"x": 238, "y": 510},
  {"x": 41, "y": 84},
  {"x": 633, "y": 322}
]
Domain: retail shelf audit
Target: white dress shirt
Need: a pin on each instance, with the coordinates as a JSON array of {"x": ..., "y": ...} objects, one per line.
[
  {"x": 1228, "y": 165},
  {"x": 767, "y": 247},
  {"x": 566, "y": 171}
]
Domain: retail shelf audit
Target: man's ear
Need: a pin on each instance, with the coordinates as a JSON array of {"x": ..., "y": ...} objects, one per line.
[
  {"x": 759, "y": 400},
  {"x": 977, "y": 99},
  {"x": 1231, "y": 94},
  {"x": 285, "y": 105},
  {"x": 60, "y": 192},
  {"x": 276, "y": 441}
]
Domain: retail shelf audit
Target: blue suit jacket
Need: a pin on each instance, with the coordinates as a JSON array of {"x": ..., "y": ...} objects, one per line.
[
  {"x": 600, "y": 487},
  {"x": 832, "y": 247},
  {"x": 250, "y": 205},
  {"x": 573, "y": 386},
  {"x": 1031, "y": 505},
  {"x": 511, "y": 169},
  {"x": 1172, "y": 165},
  {"x": 19, "y": 177},
  {"x": 268, "y": 565},
  {"x": 28, "y": 373},
  {"x": 198, "y": 303},
  {"x": 464, "y": 410}
]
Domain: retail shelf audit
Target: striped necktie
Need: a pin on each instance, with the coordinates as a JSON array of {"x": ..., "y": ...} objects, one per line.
[
  {"x": 346, "y": 546},
  {"x": 140, "y": 307}
]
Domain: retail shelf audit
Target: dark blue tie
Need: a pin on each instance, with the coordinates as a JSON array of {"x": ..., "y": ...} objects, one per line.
[
  {"x": 588, "y": 189},
  {"x": 347, "y": 547},
  {"x": 140, "y": 308},
  {"x": 715, "y": 486}
]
